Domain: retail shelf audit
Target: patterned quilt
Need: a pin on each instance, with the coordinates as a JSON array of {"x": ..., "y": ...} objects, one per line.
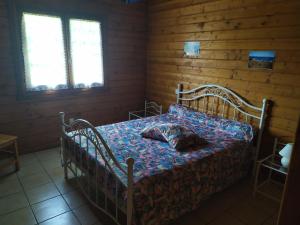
[{"x": 169, "y": 183}]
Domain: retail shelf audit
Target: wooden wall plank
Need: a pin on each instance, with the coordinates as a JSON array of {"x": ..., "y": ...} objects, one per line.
[
  {"x": 228, "y": 30},
  {"x": 36, "y": 123}
]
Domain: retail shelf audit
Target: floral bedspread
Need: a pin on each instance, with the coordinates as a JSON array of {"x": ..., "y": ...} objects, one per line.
[{"x": 169, "y": 183}]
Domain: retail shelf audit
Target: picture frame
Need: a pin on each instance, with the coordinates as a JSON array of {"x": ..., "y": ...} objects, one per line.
[
  {"x": 261, "y": 59},
  {"x": 192, "y": 49}
]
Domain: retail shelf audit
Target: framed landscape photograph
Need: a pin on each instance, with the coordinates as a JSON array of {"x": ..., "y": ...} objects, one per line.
[
  {"x": 191, "y": 48},
  {"x": 261, "y": 59}
]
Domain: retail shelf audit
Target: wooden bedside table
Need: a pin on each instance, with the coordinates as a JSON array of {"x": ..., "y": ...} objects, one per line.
[{"x": 6, "y": 141}]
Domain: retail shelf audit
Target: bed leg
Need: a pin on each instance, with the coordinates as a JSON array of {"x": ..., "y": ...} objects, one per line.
[
  {"x": 65, "y": 170},
  {"x": 64, "y": 158},
  {"x": 62, "y": 144},
  {"x": 130, "y": 162},
  {"x": 256, "y": 178}
]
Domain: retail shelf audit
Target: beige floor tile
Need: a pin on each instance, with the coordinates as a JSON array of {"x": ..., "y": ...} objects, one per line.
[
  {"x": 50, "y": 208},
  {"x": 28, "y": 159},
  {"x": 35, "y": 180},
  {"x": 10, "y": 186},
  {"x": 238, "y": 192},
  {"x": 272, "y": 220},
  {"x": 65, "y": 186},
  {"x": 248, "y": 214},
  {"x": 30, "y": 169},
  {"x": 51, "y": 164},
  {"x": 8, "y": 170},
  {"x": 41, "y": 193},
  {"x": 234, "y": 206},
  {"x": 264, "y": 204},
  {"x": 213, "y": 206},
  {"x": 8, "y": 178},
  {"x": 99, "y": 223},
  {"x": 46, "y": 155},
  {"x": 19, "y": 217},
  {"x": 273, "y": 188},
  {"x": 189, "y": 219},
  {"x": 64, "y": 219},
  {"x": 56, "y": 173},
  {"x": 13, "y": 202},
  {"x": 219, "y": 202},
  {"x": 74, "y": 199},
  {"x": 85, "y": 215},
  {"x": 225, "y": 219}
]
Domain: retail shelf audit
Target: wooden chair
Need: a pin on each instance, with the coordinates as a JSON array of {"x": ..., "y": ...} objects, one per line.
[{"x": 7, "y": 141}]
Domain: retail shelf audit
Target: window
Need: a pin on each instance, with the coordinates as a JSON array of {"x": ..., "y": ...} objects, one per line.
[
  {"x": 44, "y": 52},
  {"x": 86, "y": 54},
  {"x": 61, "y": 52}
]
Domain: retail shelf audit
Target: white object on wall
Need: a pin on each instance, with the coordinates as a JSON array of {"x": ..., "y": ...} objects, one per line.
[{"x": 286, "y": 153}]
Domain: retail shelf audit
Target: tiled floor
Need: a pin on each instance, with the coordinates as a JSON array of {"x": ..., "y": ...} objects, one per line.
[{"x": 38, "y": 194}]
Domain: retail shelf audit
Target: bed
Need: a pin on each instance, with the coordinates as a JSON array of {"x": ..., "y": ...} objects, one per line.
[{"x": 122, "y": 173}]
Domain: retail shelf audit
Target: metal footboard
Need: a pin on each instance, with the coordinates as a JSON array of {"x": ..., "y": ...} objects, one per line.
[{"x": 96, "y": 169}]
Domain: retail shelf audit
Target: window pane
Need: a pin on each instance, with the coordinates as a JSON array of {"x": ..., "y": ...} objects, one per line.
[
  {"x": 86, "y": 52},
  {"x": 44, "y": 54}
]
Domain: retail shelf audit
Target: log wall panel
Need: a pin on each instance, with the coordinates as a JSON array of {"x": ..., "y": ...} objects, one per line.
[
  {"x": 228, "y": 30},
  {"x": 35, "y": 122}
]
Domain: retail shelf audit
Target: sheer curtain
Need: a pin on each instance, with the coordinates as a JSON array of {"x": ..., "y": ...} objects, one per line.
[
  {"x": 44, "y": 52},
  {"x": 86, "y": 53},
  {"x": 45, "y": 57}
]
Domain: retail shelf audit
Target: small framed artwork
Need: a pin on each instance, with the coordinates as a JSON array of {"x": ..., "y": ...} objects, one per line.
[
  {"x": 261, "y": 59},
  {"x": 191, "y": 48}
]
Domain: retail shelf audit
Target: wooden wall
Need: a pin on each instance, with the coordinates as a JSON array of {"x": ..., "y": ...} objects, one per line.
[
  {"x": 35, "y": 122},
  {"x": 227, "y": 30}
]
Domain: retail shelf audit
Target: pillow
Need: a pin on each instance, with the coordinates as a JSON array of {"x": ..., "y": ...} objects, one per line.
[
  {"x": 235, "y": 128},
  {"x": 153, "y": 132},
  {"x": 178, "y": 136},
  {"x": 184, "y": 112},
  {"x": 179, "y": 110}
]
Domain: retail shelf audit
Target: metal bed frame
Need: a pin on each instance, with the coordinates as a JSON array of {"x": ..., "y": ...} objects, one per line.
[
  {"x": 88, "y": 181},
  {"x": 242, "y": 110},
  {"x": 151, "y": 108},
  {"x": 273, "y": 165},
  {"x": 87, "y": 135}
]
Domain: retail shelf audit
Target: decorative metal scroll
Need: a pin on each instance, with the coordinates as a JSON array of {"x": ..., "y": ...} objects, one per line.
[
  {"x": 215, "y": 91},
  {"x": 82, "y": 128},
  {"x": 97, "y": 173},
  {"x": 238, "y": 104}
]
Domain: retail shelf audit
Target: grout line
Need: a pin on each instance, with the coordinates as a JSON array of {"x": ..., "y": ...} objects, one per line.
[
  {"x": 267, "y": 219},
  {"x": 61, "y": 194},
  {"x": 227, "y": 210},
  {"x": 44, "y": 200},
  {"x": 7, "y": 195},
  {"x": 54, "y": 216},
  {"x": 76, "y": 217},
  {"x": 13, "y": 211},
  {"x": 236, "y": 218},
  {"x": 27, "y": 198},
  {"x": 52, "y": 181}
]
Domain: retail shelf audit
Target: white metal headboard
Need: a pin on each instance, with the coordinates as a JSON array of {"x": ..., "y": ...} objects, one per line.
[{"x": 228, "y": 99}]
